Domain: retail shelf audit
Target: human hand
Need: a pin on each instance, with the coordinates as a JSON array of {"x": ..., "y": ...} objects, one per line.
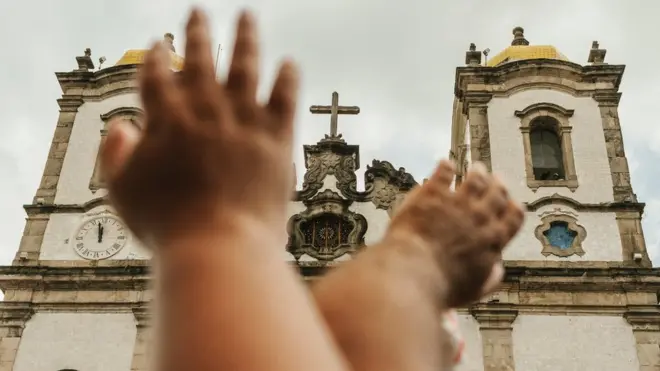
[
  {"x": 210, "y": 156},
  {"x": 464, "y": 231}
]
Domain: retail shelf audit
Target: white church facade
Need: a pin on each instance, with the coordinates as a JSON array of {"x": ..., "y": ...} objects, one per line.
[{"x": 580, "y": 292}]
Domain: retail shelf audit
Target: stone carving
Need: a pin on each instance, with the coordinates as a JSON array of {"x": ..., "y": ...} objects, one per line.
[
  {"x": 326, "y": 230},
  {"x": 342, "y": 160},
  {"x": 331, "y": 158},
  {"x": 394, "y": 182},
  {"x": 559, "y": 234}
]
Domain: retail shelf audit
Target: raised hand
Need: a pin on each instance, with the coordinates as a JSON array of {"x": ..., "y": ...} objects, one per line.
[{"x": 210, "y": 155}]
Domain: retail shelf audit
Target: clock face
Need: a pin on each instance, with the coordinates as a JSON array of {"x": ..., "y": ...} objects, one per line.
[{"x": 100, "y": 238}]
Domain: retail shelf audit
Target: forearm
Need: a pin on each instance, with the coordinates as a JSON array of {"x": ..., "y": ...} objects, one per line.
[
  {"x": 218, "y": 300},
  {"x": 393, "y": 287}
]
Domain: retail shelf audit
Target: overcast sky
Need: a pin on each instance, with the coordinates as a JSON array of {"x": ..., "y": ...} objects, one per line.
[{"x": 396, "y": 61}]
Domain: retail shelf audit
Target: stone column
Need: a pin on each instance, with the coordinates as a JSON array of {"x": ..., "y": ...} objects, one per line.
[
  {"x": 12, "y": 322},
  {"x": 141, "y": 351},
  {"x": 496, "y": 327},
  {"x": 645, "y": 322},
  {"x": 477, "y": 111}
]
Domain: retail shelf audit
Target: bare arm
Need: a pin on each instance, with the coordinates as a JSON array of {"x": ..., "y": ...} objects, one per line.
[{"x": 228, "y": 303}]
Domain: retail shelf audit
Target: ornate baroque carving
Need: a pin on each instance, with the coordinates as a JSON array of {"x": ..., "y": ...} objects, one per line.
[
  {"x": 327, "y": 229},
  {"x": 396, "y": 181},
  {"x": 342, "y": 160}
]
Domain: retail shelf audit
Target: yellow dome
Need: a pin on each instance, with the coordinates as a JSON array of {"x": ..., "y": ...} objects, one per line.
[
  {"x": 136, "y": 56},
  {"x": 520, "y": 50}
]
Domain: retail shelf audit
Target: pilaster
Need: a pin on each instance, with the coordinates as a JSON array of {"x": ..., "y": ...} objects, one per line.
[
  {"x": 12, "y": 323},
  {"x": 632, "y": 237},
  {"x": 476, "y": 106},
  {"x": 496, "y": 327},
  {"x": 33, "y": 235},
  {"x": 608, "y": 102},
  {"x": 645, "y": 322},
  {"x": 141, "y": 351},
  {"x": 48, "y": 187}
]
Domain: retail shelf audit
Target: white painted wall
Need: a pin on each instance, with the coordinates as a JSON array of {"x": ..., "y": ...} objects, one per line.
[
  {"x": 589, "y": 151},
  {"x": 473, "y": 359},
  {"x": 573, "y": 343},
  {"x": 80, "y": 158},
  {"x": 79, "y": 341},
  {"x": 602, "y": 243},
  {"x": 58, "y": 238}
]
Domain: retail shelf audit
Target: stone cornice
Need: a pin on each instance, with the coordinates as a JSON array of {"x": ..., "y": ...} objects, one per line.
[
  {"x": 99, "y": 84},
  {"x": 568, "y": 276},
  {"x": 600, "y": 207},
  {"x": 122, "y": 110},
  {"x": 127, "y": 277},
  {"x": 643, "y": 318},
  {"x": 494, "y": 316},
  {"x": 13, "y": 316},
  {"x": 608, "y": 98},
  {"x": 136, "y": 275},
  {"x": 36, "y": 209},
  {"x": 539, "y": 72},
  {"x": 70, "y": 103},
  {"x": 543, "y": 106},
  {"x": 142, "y": 315}
]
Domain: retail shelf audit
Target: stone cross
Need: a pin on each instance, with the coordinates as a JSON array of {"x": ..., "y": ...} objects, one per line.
[{"x": 334, "y": 110}]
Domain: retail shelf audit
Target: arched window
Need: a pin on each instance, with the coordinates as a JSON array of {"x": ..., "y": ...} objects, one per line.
[{"x": 546, "y": 146}]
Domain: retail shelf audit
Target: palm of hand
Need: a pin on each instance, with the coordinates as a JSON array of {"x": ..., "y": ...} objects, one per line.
[{"x": 209, "y": 152}]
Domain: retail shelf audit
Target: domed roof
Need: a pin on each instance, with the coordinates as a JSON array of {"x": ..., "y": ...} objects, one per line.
[
  {"x": 136, "y": 56},
  {"x": 520, "y": 50}
]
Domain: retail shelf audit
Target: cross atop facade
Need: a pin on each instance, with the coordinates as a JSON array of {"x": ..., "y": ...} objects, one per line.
[{"x": 334, "y": 110}]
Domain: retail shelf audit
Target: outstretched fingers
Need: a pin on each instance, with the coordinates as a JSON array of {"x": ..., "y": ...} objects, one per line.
[
  {"x": 158, "y": 90},
  {"x": 444, "y": 174},
  {"x": 243, "y": 78},
  {"x": 283, "y": 100},
  {"x": 203, "y": 92}
]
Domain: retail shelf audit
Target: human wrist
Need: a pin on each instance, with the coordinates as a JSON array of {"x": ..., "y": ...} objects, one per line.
[{"x": 416, "y": 261}]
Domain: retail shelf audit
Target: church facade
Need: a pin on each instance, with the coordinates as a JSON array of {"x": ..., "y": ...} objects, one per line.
[{"x": 580, "y": 292}]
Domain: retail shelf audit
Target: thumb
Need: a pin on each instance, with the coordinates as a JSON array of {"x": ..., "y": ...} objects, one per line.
[{"x": 122, "y": 138}]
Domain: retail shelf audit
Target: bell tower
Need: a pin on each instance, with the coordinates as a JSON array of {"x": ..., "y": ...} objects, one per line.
[{"x": 551, "y": 128}]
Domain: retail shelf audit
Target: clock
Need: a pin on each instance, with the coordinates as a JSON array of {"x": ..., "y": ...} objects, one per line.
[{"x": 100, "y": 238}]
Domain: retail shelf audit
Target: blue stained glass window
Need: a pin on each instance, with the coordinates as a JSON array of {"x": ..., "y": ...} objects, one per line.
[{"x": 560, "y": 236}]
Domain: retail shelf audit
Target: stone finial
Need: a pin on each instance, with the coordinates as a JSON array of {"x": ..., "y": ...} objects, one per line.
[
  {"x": 519, "y": 36},
  {"x": 168, "y": 40},
  {"x": 473, "y": 56},
  {"x": 85, "y": 62},
  {"x": 596, "y": 54}
]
